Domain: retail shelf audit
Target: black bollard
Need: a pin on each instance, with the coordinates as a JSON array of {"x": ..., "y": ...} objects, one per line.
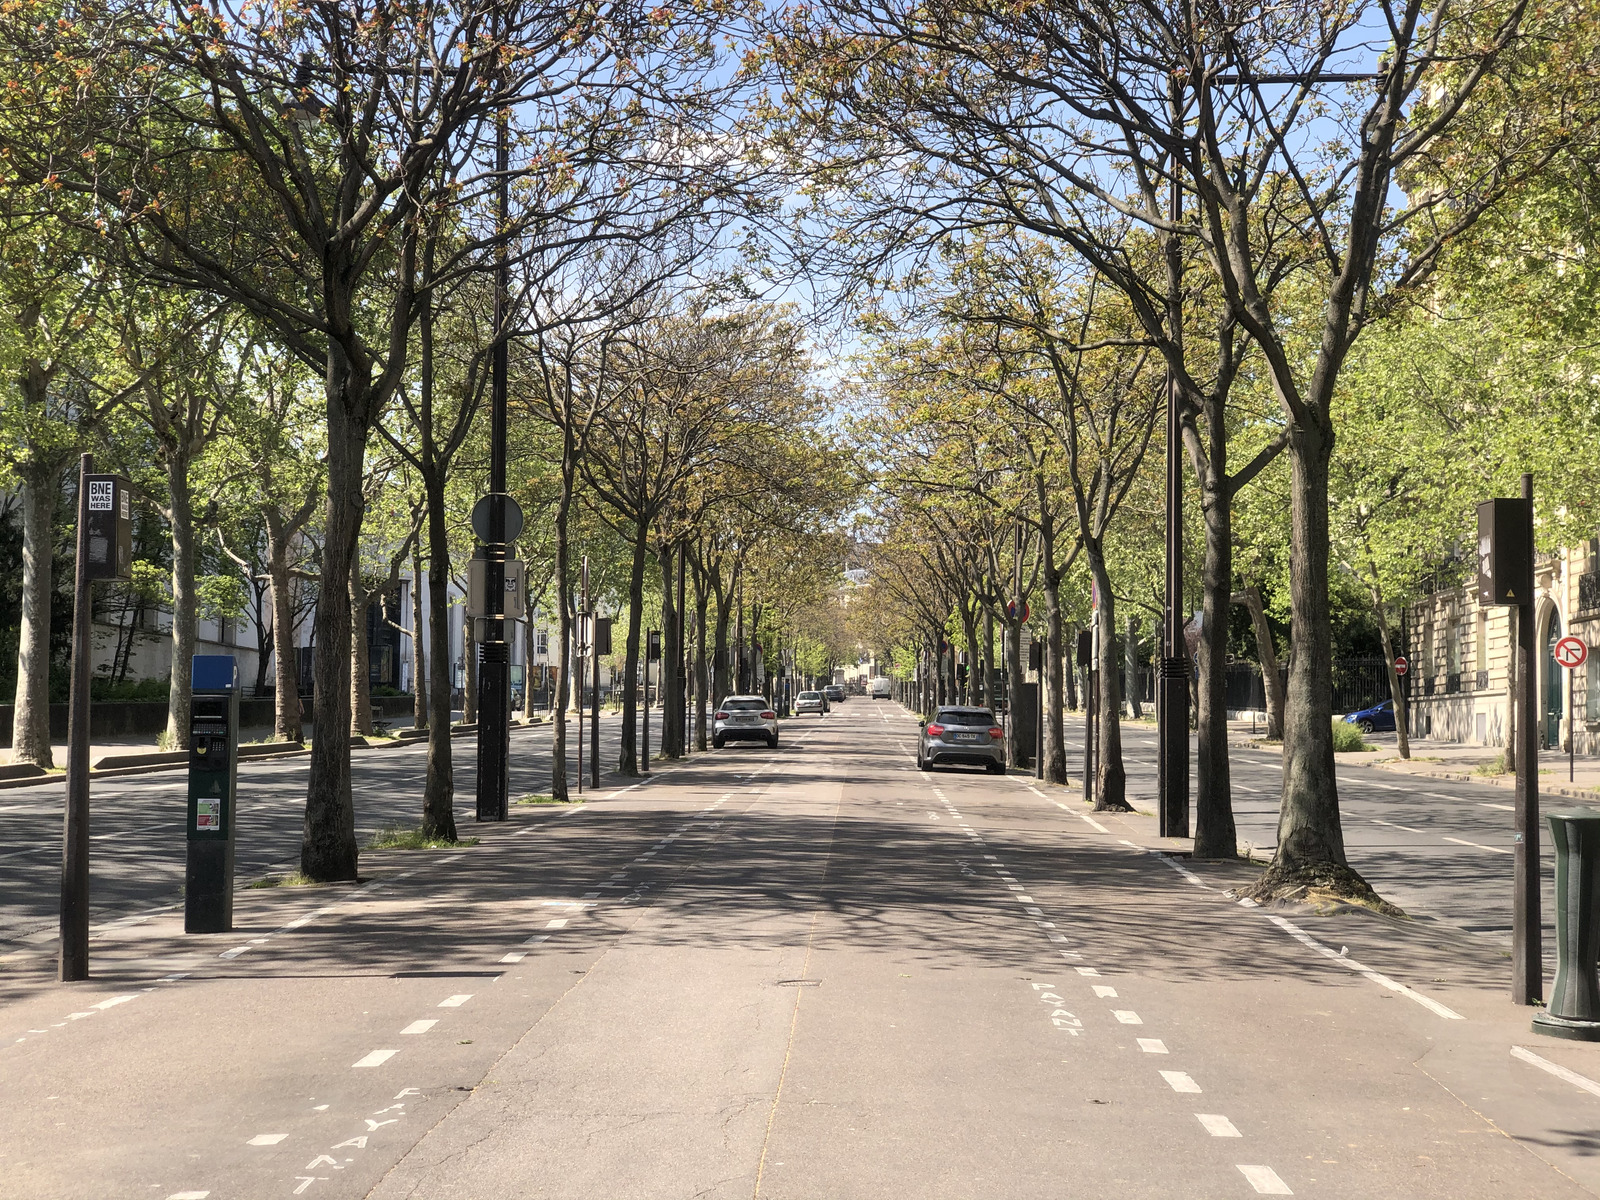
[{"x": 1574, "y": 1008}]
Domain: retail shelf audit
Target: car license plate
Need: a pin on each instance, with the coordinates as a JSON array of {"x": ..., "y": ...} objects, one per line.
[{"x": 968, "y": 737}]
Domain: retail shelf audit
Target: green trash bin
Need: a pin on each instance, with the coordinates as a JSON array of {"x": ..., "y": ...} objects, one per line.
[{"x": 1574, "y": 1008}]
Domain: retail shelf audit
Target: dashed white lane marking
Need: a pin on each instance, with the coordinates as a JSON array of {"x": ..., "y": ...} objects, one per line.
[
  {"x": 1478, "y": 845},
  {"x": 1560, "y": 1072},
  {"x": 1427, "y": 1002},
  {"x": 1184, "y": 871},
  {"x": 375, "y": 1059},
  {"x": 1180, "y": 1082},
  {"x": 1089, "y": 971},
  {"x": 266, "y": 1139},
  {"x": 188, "y": 1196},
  {"x": 629, "y": 788},
  {"x": 1501, "y": 807},
  {"x": 1152, "y": 1045},
  {"x": 455, "y": 1001},
  {"x": 1265, "y": 1181},
  {"x": 1127, "y": 1016},
  {"x": 1217, "y": 1125},
  {"x": 1105, "y": 993},
  {"x": 113, "y": 1002},
  {"x": 1388, "y": 787},
  {"x": 1246, "y": 788},
  {"x": 558, "y": 923},
  {"x": 419, "y": 1027}
]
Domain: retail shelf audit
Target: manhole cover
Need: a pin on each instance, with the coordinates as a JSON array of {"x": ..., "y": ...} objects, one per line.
[{"x": 799, "y": 983}]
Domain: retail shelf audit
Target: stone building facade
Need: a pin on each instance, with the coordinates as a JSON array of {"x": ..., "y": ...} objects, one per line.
[{"x": 1460, "y": 651}]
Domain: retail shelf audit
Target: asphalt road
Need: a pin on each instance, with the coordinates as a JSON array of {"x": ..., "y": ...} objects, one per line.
[
  {"x": 137, "y": 823},
  {"x": 1438, "y": 848}
]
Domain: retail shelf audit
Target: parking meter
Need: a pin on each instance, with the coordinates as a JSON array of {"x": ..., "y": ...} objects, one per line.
[{"x": 213, "y": 780}]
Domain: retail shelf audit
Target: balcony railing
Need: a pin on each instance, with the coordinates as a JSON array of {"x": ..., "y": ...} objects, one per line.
[{"x": 1589, "y": 594}]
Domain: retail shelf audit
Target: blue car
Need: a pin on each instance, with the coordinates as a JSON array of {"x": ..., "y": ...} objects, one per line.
[{"x": 1377, "y": 719}]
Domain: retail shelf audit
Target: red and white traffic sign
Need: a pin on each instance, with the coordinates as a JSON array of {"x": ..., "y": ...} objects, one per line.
[
  {"x": 1571, "y": 652},
  {"x": 1401, "y": 666}
]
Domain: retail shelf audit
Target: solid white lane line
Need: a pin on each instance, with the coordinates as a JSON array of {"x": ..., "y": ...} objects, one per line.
[
  {"x": 1265, "y": 1181},
  {"x": 1392, "y": 825},
  {"x": 455, "y": 1001},
  {"x": 1501, "y": 807},
  {"x": 1478, "y": 845},
  {"x": 1427, "y": 1002},
  {"x": 1180, "y": 1082},
  {"x": 1217, "y": 1125},
  {"x": 1560, "y": 1072},
  {"x": 419, "y": 1027},
  {"x": 375, "y": 1059},
  {"x": 1152, "y": 1045}
]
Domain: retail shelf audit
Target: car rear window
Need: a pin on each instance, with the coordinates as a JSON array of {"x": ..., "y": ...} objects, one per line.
[
  {"x": 744, "y": 705},
  {"x": 811, "y": 695},
  {"x": 965, "y": 716}
]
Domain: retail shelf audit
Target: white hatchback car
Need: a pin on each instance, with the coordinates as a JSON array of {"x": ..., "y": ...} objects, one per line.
[{"x": 745, "y": 719}]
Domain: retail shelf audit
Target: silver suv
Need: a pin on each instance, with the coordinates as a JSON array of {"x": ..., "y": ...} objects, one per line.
[
  {"x": 745, "y": 719},
  {"x": 962, "y": 735}
]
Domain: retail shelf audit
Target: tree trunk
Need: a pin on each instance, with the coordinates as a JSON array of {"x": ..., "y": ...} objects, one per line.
[
  {"x": 30, "y": 733},
  {"x": 1017, "y": 754},
  {"x": 671, "y": 697},
  {"x": 1310, "y": 838},
  {"x": 628, "y": 742},
  {"x": 1055, "y": 734},
  {"x": 1215, "y": 835},
  {"x": 419, "y": 653},
  {"x": 439, "y": 788},
  {"x": 1130, "y": 668},
  {"x": 1267, "y": 651},
  {"x": 990, "y": 699},
  {"x": 184, "y": 619},
  {"x": 559, "y": 685},
  {"x": 701, "y": 602},
  {"x": 469, "y": 673},
  {"x": 719, "y": 660},
  {"x": 1401, "y": 737},
  {"x": 286, "y": 678},
  {"x": 328, "y": 849},
  {"x": 1111, "y": 792},
  {"x": 969, "y": 631},
  {"x": 360, "y": 656}
]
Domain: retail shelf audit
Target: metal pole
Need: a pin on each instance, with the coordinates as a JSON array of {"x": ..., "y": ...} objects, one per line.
[
  {"x": 1527, "y": 945},
  {"x": 594, "y": 720},
  {"x": 74, "y": 963},
  {"x": 644, "y": 734},
  {"x": 1172, "y": 705},
  {"x": 1572, "y": 736},
  {"x": 1038, "y": 738},
  {"x": 577, "y": 678},
  {"x": 494, "y": 671}
]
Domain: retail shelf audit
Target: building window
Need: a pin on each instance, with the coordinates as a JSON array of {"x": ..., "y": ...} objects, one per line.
[{"x": 1591, "y": 688}]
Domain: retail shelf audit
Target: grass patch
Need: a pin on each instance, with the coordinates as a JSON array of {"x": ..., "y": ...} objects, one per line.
[
  {"x": 1347, "y": 738},
  {"x": 293, "y": 879},
  {"x": 545, "y": 798},
  {"x": 409, "y": 837},
  {"x": 1495, "y": 766}
]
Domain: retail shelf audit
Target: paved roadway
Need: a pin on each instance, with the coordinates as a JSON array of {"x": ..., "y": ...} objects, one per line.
[
  {"x": 137, "y": 832},
  {"x": 803, "y": 973},
  {"x": 1439, "y": 849}
]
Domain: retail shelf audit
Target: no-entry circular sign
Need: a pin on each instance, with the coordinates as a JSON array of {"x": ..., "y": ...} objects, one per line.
[
  {"x": 1401, "y": 666},
  {"x": 1571, "y": 652}
]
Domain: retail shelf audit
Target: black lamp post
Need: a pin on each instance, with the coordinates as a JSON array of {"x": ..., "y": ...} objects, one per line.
[{"x": 494, "y": 672}]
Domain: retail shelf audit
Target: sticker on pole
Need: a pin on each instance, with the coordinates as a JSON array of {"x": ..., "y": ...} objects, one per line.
[
  {"x": 1571, "y": 652},
  {"x": 100, "y": 495},
  {"x": 1401, "y": 666}
]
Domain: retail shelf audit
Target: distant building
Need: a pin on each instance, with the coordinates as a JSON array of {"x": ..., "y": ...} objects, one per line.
[{"x": 1459, "y": 654}]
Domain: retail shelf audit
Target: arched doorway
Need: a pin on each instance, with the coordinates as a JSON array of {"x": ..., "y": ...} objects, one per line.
[{"x": 1553, "y": 706}]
